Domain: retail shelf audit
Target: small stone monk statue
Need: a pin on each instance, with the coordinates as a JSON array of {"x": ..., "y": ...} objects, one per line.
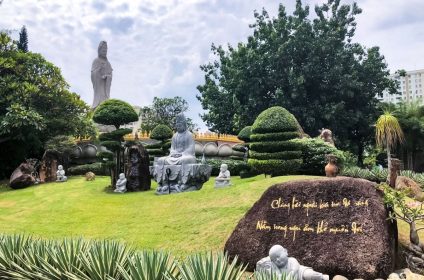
[
  {"x": 121, "y": 184},
  {"x": 224, "y": 177},
  {"x": 60, "y": 174},
  {"x": 279, "y": 263}
]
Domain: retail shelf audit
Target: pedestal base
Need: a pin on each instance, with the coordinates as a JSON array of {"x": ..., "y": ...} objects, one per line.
[{"x": 180, "y": 178}]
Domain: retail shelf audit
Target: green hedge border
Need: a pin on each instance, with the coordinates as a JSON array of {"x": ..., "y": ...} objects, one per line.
[{"x": 275, "y": 136}]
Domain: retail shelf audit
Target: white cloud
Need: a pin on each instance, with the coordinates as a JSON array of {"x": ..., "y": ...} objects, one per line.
[{"x": 156, "y": 47}]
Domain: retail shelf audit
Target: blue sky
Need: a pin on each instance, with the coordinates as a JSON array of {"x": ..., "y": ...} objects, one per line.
[{"x": 156, "y": 47}]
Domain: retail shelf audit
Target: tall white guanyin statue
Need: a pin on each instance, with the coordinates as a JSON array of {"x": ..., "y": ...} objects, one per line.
[{"x": 101, "y": 76}]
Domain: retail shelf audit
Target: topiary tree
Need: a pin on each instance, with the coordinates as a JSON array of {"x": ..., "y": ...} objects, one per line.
[
  {"x": 271, "y": 151},
  {"x": 114, "y": 112},
  {"x": 63, "y": 145}
]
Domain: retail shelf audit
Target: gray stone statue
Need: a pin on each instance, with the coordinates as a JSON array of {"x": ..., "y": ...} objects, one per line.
[
  {"x": 179, "y": 171},
  {"x": 279, "y": 263},
  {"x": 101, "y": 76},
  {"x": 121, "y": 184},
  {"x": 60, "y": 174},
  {"x": 224, "y": 177}
]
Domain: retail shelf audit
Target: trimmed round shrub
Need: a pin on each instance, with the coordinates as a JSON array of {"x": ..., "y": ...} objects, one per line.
[
  {"x": 314, "y": 152},
  {"x": 105, "y": 155},
  {"x": 275, "y": 119},
  {"x": 114, "y": 112},
  {"x": 244, "y": 134},
  {"x": 272, "y": 152},
  {"x": 115, "y": 135},
  {"x": 111, "y": 145},
  {"x": 161, "y": 132},
  {"x": 275, "y": 136},
  {"x": 239, "y": 148}
]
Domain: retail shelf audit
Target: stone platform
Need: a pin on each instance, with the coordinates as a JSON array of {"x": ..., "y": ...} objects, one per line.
[{"x": 180, "y": 178}]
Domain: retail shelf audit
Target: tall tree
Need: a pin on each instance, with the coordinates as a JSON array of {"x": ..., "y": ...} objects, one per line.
[
  {"x": 23, "y": 39},
  {"x": 35, "y": 105},
  {"x": 310, "y": 67},
  {"x": 164, "y": 111}
]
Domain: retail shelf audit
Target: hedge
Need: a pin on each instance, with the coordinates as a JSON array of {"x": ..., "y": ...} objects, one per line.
[
  {"x": 275, "y": 167},
  {"x": 275, "y": 146},
  {"x": 153, "y": 146},
  {"x": 234, "y": 166},
  {"x": 97, "y": 168},
  {"x": 276, "y": 155},
  {"x": 111, "y": 145},
  {"x": 274, "y": 119},
  {"x": 314, "y": 152},
  {"x": 275, "y": 136}
]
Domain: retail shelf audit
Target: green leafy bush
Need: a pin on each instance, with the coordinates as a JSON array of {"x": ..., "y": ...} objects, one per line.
[
  {"x": 155, "y": 152},
  {"x": 274, "y": 119},
  {"x": 277, "y": 155},
  {"x": 161, "y": 132},
  {"x": 239, "y": 148},
  {"x": 234, "y": 166},
  {"x": 111, "y": 145},
  {"x": 314, "y": 152},
  {"x": 244, "y": 134},
  {"x": 97, "y": 168},
  {"x": 157, "y": 145}
]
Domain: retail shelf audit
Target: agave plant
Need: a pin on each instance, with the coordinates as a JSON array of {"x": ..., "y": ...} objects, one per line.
[
  {"x": 209, "y": 267},
  {"x": 102, "y": 261},
  {"x": 149, "y": 265}
]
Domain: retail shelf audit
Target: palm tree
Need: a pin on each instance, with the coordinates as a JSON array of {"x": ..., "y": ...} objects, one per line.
[{"x": 388, "y": 134}]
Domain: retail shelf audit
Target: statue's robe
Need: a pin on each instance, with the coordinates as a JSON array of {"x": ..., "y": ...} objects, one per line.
[{"x": 101, "y": 67}]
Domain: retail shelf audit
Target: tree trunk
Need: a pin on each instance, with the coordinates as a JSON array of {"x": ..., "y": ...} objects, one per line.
[
  {"x": 360, "y": 153},
  {"x": 413, "y": 235}
]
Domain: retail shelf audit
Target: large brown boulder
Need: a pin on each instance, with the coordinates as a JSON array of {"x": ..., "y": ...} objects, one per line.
[
  {"x": 21, "y": 177},
  {"x": 337, "y": 226}
]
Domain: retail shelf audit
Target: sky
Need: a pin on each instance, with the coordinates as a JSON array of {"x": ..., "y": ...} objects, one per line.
[{"x": 155, "y": 47}]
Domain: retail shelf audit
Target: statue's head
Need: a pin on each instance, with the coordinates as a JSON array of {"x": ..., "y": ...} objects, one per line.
[
  {"x": 122, "y": 176},
  {"x": 60, "y": 167},
  {"x": 102, "y": 49},
  {"x": 278, "y": 255},
  {"x": 181, "y": 123},
  {"x": 224, "y": 167}
]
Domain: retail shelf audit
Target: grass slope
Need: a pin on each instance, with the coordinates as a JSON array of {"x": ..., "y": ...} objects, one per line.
[{"x": 182, "y": 223}]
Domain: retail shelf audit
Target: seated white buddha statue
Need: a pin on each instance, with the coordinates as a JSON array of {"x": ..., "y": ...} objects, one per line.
[{"x": 182, "y": 145}]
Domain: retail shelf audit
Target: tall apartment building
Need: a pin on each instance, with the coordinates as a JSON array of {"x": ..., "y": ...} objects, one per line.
[{"x": 411, "y": 88}]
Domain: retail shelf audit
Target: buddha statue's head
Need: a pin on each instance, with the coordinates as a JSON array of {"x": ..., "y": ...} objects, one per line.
[
  {"x": 224, "y": 167},
  {"x": 60, "y": 167},
  {"x": 278, "y": 255},
  {"x": 180, "y": 123},
  {"x": 102, "y": 49}
]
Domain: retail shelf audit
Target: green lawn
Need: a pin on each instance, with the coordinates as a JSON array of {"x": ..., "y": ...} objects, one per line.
[{"x": 182, "y": 223}]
